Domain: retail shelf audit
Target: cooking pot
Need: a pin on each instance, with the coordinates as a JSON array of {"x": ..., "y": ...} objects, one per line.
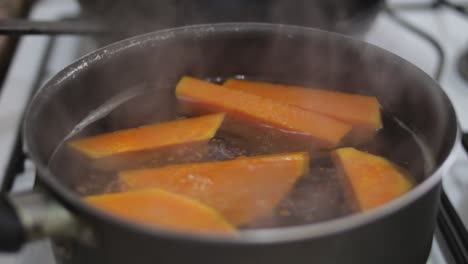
[{"x": 398, "y": 232}]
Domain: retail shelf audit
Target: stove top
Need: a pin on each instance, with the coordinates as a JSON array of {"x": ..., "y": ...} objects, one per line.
[{"x": 446, "y": 27}]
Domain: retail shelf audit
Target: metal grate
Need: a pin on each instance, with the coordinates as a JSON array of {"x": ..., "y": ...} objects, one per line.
[
  {"x": 451, "y": 232},
  {"x": 17, "y": 160}
]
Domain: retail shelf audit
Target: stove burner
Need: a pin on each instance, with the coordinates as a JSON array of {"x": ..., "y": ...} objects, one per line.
[{"x": 463, "y": 65}]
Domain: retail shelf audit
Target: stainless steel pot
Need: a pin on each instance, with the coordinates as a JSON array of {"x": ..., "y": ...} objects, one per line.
[{"x": 398, "y": 232}]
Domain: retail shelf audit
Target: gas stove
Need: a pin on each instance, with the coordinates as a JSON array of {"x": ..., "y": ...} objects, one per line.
[{"x": 432, "y": 36}]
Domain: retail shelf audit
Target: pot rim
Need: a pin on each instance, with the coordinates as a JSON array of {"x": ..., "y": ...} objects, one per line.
[{"x": 272, "y": 235}]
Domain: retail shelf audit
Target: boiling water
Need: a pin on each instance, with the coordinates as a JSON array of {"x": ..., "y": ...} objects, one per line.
[{"x": 318, "y": 196}]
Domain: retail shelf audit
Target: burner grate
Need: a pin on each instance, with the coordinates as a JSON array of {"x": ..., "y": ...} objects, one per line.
[{"x": 18, "y": 158}]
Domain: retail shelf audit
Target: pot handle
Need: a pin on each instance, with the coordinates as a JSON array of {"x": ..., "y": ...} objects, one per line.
[
  {"x": 12, "y": 233},
  {"x": 34, "y": 215}
]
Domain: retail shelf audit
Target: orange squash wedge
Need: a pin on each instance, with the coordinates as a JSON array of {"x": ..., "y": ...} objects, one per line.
[
  {"x": 161, "y": 209},
  {"x": 130, "y": 146},
  {"x": 373, "y": 179},
  {"x": 197, "y": 96},
  {"x": 359, "y": 110},
  {"x": 242, "y": 189}
]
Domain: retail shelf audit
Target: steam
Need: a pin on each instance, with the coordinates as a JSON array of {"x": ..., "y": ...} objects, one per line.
[{"x": 146, "y": 16}]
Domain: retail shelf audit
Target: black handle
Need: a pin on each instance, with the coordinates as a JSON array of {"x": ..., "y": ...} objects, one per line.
[
  {"x": 465, "y": 141},
  {"x": 12, "y": 234},
  {"x": 453, "y": 230}
]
